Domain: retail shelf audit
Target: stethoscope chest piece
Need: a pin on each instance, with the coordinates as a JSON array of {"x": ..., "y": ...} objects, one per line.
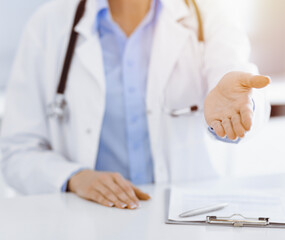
[{"x": 58, "y": 108}]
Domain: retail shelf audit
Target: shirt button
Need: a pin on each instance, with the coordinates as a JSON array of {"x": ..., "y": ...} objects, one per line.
[
  {"x": 130, "y": 63},
  {"x": 132, "y": 90},
  {"x": 136, "y": 146},
  {"x": 134, "y": 119}
]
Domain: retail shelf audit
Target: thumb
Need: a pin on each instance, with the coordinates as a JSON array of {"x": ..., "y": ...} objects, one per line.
[{"x": 256, "y": 81}]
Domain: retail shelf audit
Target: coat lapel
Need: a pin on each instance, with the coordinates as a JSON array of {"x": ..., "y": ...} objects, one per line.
[
  {"x": 89, "y": 91},
  {"x": 90, "y": 56},
  {"x": 89, "y": 50}
]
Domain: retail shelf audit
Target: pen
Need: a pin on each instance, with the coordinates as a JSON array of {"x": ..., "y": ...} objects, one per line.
[{"x": 199, "y": 211}]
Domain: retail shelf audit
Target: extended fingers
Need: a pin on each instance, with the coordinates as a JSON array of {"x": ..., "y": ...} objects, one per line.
[
  {"x": 237, "y": 126},
  {"x": 228, "y": 127},
  {"x": 246, "y": 114},
  {"x": 109, "y": 195},
  {"x": 99, "y": 198},
  {"x": 117, "y": 190},
  {"x": 233, "y": 126},
  {"x": 126, "y": 186},
  {"x": 111, "y": 189}
]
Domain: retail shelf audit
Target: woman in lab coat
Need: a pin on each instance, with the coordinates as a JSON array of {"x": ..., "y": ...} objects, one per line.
[{"x": 44, "y": 155}]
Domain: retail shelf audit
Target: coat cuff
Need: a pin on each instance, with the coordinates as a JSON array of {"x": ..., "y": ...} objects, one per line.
[{"x": 225, "y": 139}]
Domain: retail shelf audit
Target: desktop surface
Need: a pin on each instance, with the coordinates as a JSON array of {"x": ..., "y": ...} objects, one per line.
[{"x": 66, "y": 216}]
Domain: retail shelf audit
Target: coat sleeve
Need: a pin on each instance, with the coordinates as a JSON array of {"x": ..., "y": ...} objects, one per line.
[
  {"x": 28, "y": 162},
  {"x": 227, "y": 49}
]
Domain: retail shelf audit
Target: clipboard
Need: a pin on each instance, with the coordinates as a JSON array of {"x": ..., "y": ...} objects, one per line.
[{"x": 234, "y": 220}]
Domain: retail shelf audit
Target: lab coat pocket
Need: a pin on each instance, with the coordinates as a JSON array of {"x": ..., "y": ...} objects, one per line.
[{"x": 187, "y": 151}]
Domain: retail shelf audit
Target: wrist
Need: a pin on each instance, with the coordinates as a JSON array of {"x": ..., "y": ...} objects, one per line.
[{"x": 73, "y": 180}]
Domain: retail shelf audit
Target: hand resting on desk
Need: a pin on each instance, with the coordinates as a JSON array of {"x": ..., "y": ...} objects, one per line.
[{"x": 106, "y": 188}]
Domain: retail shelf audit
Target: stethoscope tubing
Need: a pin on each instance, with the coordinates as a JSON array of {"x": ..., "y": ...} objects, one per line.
[{"x": 71, "y": 47}]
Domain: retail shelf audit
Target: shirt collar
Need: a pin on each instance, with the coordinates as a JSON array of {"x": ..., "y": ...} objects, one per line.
[
  {"x": 102, "y": 7},
  {"x": 86, "y": 27}
]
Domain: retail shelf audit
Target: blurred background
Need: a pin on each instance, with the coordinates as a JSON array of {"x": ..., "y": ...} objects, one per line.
[
  {"x": 264, "y": 20},
  {"x": 264, "y": 153}
]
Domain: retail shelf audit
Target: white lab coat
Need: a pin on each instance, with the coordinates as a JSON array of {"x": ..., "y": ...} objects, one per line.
[{"x": 39, "y": 154}]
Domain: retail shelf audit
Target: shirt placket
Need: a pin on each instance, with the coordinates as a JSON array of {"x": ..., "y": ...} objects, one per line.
[
  {"x": 134, "y": 96},
  {"x": 134, "y": 113}
]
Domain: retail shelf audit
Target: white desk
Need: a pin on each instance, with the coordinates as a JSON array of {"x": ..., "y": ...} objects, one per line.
[{"x": 65, "y": 216}]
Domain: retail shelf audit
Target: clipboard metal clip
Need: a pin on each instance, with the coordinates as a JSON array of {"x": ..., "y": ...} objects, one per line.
[{"x": 238, "y": 220}]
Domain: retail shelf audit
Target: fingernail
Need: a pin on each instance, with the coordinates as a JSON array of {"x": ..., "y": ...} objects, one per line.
[
  {"x": 133, "y": 205},
  {"x": 123, "y": 205},
  {"x": 111, "y": 204}
]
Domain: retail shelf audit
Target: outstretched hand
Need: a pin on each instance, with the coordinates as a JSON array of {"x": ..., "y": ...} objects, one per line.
[{"x": 228, "y": 108}]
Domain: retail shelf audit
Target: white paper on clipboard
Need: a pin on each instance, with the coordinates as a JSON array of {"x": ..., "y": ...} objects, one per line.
[{"x": 249, "y": 204}]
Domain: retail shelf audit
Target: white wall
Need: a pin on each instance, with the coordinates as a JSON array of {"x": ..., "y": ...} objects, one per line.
[
  {"x": 264, "y": 20},
  {"x": 13, "y": 16}
]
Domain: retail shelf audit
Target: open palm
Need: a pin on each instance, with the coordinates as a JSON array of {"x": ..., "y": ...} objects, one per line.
[{"x": 228, "y": 108}]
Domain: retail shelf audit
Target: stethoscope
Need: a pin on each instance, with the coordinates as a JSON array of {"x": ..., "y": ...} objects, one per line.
[{"x": 58, "y": 109}]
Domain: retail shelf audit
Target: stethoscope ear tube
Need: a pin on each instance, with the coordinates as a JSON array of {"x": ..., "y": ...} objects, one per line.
[
  {"x": 58, "y": 108},
  {"x": 71, "y": 47},
  {"x": 199, "y": 19}
]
